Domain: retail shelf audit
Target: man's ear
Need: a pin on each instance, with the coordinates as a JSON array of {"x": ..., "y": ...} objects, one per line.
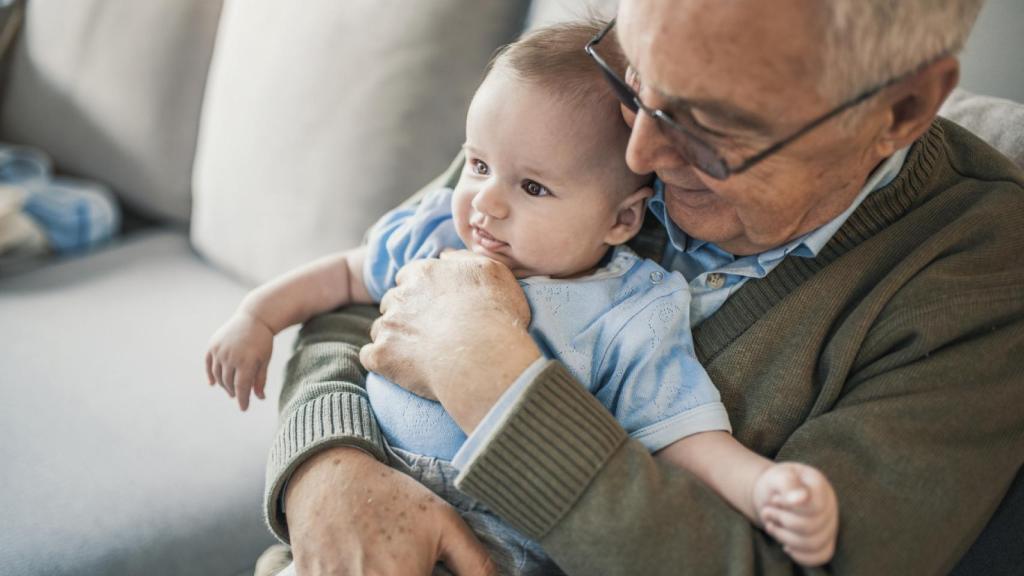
[
  {"x": 915, "y": 102},
  {"x": 629, "y": 217}
]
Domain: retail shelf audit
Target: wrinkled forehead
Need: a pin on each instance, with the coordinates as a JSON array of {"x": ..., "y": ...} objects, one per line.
[{"x": 746, "y": 50}]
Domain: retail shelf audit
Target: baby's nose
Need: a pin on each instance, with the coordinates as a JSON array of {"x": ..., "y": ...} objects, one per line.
[{"x": 490, "y": 202}]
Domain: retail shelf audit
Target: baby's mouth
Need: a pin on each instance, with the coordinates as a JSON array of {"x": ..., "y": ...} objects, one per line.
[{"x": 486, "y": 240}]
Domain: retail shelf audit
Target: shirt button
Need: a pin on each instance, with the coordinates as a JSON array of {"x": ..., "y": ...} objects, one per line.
[
  {"x": 657, "y": 277},
  {"x": 716, "y": 280}
]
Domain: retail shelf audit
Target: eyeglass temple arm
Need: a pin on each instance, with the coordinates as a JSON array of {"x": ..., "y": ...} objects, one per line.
[{"x": 828, "y": 116}]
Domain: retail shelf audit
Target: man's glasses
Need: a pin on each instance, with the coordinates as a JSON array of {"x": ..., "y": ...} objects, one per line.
[{"x": 702, "y": 155}]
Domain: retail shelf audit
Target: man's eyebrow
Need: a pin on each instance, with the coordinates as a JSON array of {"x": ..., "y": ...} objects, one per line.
[{"x": 727, "y": 112}]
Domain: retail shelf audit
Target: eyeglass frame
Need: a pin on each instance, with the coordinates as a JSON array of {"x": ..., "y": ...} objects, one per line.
[{"x": 720, "y": 168}]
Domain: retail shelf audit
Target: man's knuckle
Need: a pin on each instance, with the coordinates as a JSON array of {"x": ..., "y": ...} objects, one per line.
[{"x": 368, "y": 351}]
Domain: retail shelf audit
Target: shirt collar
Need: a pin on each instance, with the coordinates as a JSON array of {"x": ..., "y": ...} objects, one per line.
[{"x": 807, "y": 245}]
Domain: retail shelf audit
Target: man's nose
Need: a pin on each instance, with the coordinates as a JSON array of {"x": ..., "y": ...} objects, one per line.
[
  {"x": 490, "y": 201},
  {"x": 648, "y": 149}
]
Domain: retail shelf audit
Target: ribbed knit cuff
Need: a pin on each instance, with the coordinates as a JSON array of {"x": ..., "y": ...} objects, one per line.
[
  {"x": 538, "y": 463},
  {"x": 328, "y": 421}
]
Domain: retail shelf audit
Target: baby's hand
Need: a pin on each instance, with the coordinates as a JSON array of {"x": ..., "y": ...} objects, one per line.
[
  {"x": 238, "y": 355},
  {"x": 797, "y": 506}
]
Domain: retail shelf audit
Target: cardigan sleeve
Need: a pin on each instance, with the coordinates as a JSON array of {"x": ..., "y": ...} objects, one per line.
[{"x": 920, "y": 448}]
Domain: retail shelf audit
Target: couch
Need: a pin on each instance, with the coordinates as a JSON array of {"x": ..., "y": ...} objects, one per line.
[{"x": 237, "y": 136}]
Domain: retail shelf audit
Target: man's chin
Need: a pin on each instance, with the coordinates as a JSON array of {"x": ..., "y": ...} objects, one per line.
[{"x": 703, "y": 216}]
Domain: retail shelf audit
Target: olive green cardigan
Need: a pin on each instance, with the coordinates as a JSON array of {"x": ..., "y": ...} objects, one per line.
[{"x": 894, "y": 362}]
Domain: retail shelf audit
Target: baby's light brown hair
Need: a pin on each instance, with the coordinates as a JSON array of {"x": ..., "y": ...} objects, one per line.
[{"x": 553, "y": 58}]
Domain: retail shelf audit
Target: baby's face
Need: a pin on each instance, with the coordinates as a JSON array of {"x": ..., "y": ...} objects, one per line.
[{"x": 543, "y": 179}]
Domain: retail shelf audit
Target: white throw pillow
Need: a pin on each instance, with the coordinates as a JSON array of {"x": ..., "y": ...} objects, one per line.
[
  {"x": 998, "y": 121},
  {"x": 321, "y": 115}
]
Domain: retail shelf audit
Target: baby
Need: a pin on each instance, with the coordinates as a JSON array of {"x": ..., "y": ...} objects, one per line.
[{"x": 545, "y": 190}]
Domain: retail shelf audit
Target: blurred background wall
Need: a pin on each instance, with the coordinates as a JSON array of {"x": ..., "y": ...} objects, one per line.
[{"x": 996, "y": 45}]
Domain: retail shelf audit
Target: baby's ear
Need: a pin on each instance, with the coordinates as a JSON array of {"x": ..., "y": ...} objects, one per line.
[{"x": 629, "y": 217}]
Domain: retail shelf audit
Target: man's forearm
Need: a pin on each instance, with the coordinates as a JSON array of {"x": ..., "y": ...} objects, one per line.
[
  {"x": 561, "y": 470},
  {"x": 323, "y": 402},
  {"x": 564, "y": 472}
]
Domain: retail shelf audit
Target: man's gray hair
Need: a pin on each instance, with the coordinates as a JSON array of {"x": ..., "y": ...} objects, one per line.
[{"x": 870, "y": 41}]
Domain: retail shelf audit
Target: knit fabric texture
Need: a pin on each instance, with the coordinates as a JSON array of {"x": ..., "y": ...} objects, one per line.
[{"x": 891, "y": 361}]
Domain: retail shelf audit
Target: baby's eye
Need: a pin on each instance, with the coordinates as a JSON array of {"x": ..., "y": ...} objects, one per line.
[
  {"x": 479, "y": 167},
  {"x": 535, "y": 189}
]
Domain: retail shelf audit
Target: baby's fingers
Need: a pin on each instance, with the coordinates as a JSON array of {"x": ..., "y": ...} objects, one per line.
[
  {"x": 811, "y": 558},
  {"x": 791, "y": 497},
  {"x": 209, "y": 369},
  {"x": 243, "y": 384},
  {"x": 218, "y": 369},
  {"x": 809, "y": 550},
  {"x": 794, "y": 522},
  {"x": 261, "y": 381},
  {"x": 822, "y": 495},
  {"x": 227, "y": 378}
]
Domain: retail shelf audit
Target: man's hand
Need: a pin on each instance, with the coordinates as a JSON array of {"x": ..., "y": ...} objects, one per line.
[
  {"x": 453, "y": 329},
  {"x": 348, "y": 514}
]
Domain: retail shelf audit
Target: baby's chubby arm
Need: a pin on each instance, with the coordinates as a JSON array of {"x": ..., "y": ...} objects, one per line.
[
  {"x": 240, "y": 350},
  {"x": 793, "y": 502}
]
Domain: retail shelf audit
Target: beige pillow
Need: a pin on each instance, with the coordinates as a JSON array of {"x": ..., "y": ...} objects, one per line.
[
  {"x": 998, "y": 121},
  {"x": 320, "y": 117},
  {"x": 111, "y": 90}
]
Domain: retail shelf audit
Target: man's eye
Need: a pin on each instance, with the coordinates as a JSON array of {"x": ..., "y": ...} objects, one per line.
[
  {"x": 702, "y": 126},
  {"x": 534, "y": 189},
  {"x": 479, "y": 167},
  {"x": 685, "y": 117}
]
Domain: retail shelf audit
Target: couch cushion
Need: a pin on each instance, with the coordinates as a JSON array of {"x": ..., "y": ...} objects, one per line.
[
  {"x": 111, "y": 89},
  {"x": 998, "y": 121},
  {"x": 116, "y": 457},
  {"x": 318, "y": 120},
  {"x": 10, "y": 21}
]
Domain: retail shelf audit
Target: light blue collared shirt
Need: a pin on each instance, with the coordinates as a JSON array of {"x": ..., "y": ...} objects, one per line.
[
  {"x": 713, "y": 275},
  {"x": 622, "y": 330}
]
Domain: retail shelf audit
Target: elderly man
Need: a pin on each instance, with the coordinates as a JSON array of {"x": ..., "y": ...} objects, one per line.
[{"x": 857, "y": 269}]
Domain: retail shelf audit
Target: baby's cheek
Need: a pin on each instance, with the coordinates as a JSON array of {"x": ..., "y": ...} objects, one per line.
[{"x": 460, "y": 216}]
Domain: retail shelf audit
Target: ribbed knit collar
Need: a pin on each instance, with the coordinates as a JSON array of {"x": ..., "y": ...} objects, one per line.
[{"x": 878, "y": 211}]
